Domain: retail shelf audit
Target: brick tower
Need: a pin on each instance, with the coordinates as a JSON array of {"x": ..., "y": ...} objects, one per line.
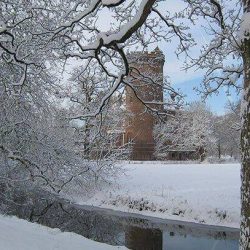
[{"x": 146, "y": 80}]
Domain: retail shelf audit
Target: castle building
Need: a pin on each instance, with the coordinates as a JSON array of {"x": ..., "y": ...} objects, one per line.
[{"x": 144, "y": 94}]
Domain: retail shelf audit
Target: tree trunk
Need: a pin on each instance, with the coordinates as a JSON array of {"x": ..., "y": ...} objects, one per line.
[
  {"x": 87, "y": 140},
  {"x": 245, "y": 146},
  {"x": 219, "y": 150}
]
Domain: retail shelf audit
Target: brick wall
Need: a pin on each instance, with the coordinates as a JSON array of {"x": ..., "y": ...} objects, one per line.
[{"x": 146, "y": 80}]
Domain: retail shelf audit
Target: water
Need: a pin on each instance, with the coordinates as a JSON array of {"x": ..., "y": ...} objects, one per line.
[{"x": 116, "y": 228}]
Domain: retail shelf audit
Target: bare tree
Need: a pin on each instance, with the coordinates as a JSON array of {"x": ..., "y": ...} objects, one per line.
[
  {"x": 190, "y": 130},
  {"x": 245, "y": 131},
  {"x": 226, "y": 59},
  {"x": 228, "y": 137}
]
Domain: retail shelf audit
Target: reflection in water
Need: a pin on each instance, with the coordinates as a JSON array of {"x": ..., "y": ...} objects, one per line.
[
  {"x": 116, "y": 228},
  {"x": 150, "y": 239},
  {"x": 188, "y": 242}
]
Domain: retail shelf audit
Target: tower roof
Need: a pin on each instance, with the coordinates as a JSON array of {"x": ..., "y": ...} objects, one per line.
[
  {"x": 157, "y": 50},
  {"x": 140, "y": 55}
]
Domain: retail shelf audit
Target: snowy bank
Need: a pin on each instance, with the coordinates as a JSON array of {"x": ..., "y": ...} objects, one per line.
[
  {"x": 202, "y": 193},
  {"x": 23, "y": 235}
]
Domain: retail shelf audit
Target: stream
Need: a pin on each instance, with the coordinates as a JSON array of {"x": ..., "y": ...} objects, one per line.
[{"x": 117, "y": 228}]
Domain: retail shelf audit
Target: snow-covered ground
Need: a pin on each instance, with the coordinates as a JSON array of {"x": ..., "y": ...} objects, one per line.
[
  {"x": 17, "y": 234},
  {"x": 202, "y": 193}
]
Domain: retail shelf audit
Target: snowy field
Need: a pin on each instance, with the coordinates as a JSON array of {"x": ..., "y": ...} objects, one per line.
[
  {"x": 17, "y": 234},
  {"x": 202, "y": 193}
]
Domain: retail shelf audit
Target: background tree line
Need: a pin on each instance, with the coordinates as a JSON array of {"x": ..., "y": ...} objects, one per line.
[{"x": 195, "y": 128}]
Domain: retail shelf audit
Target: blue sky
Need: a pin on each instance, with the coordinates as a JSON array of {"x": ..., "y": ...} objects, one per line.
[
  {"x": 216, "y": 102},
  {"x": 186, "y": 81},
  {"x": 173, "y": 66}
]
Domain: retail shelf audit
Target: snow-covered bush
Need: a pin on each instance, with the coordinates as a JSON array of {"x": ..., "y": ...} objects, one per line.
[{"x": 190, "y": 130}]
